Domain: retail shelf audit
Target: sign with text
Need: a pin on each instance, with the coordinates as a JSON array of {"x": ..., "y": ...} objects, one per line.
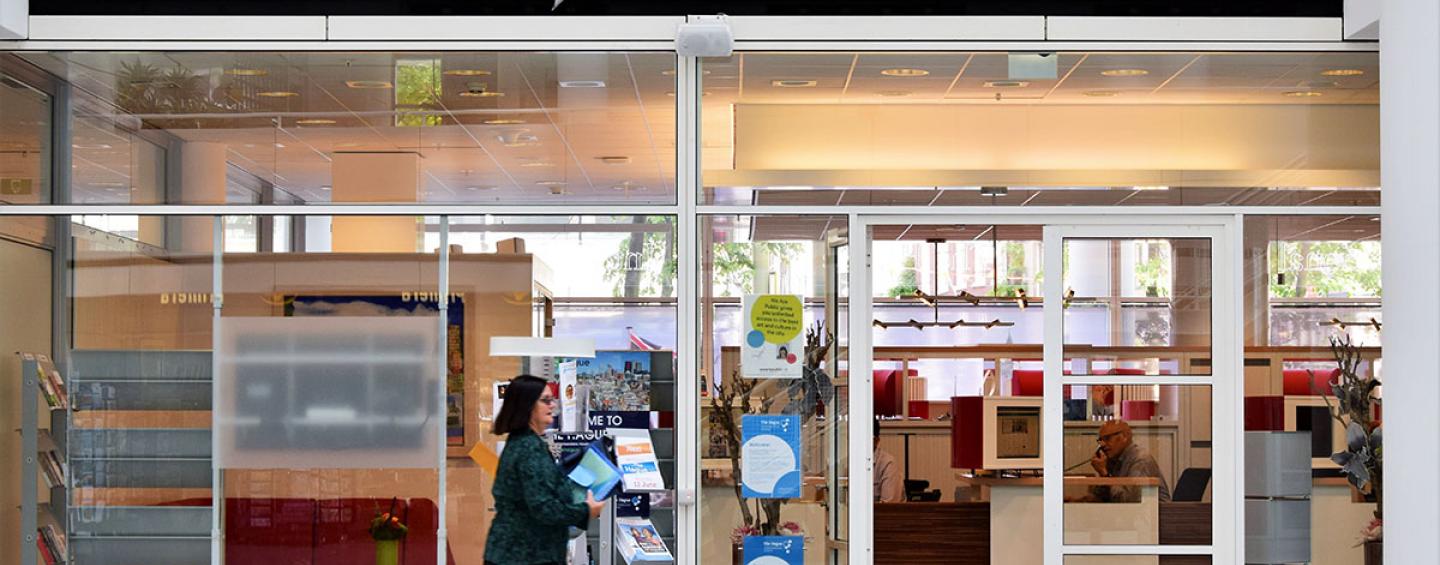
[
  {"x": 774, "y": 344},
  {"x": 770, "y": 456},
  {"x": 603, "y": 420}
]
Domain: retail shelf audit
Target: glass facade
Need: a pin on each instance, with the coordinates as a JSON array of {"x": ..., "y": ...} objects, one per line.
[{"x": 254, "y": 385}]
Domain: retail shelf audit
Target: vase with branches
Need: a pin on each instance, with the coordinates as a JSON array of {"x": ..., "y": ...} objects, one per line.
[
  {"x": 805, "y": 397},
  {"x": 1354, "y": 401}
]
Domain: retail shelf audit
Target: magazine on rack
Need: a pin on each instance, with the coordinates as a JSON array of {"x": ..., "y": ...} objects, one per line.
[{"x": 639, "y": 541}]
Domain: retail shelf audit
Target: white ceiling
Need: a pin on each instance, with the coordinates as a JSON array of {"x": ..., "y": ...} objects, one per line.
[{"x": 567, "y": 130}]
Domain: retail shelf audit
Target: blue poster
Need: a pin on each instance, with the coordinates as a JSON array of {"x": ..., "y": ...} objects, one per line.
[
  {"x": 770, "y": 456},
  {"x": 774, "y": 550}
]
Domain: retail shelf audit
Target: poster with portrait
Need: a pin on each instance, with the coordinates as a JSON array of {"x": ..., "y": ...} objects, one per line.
[
  {"x": 406, "y": 304},
  {"x": 773, "y": 346}
]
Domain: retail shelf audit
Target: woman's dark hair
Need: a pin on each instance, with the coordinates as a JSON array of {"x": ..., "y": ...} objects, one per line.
[{"x": 520, "y": 398}]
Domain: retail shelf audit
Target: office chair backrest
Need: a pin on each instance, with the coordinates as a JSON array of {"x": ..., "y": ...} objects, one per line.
[{"x": 1191, "y": 486}]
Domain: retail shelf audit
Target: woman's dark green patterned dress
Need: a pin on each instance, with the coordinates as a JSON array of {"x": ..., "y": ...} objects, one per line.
[{"x": 535, "y": 503}]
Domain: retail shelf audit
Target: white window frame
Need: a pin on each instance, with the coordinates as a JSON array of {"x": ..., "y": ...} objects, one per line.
[{"x": 64, "y": 33}]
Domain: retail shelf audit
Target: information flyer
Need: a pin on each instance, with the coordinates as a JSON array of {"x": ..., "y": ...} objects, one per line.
[
  {"x": 774, "y": 345},
  {"x": 569, "y": 395},
  {"x": 774, "y": 550},
  {"x": 770, "y": 456},
  {"x": 635, "y": 455}
]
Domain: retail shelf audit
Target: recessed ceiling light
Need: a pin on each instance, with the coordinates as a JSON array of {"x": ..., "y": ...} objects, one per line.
[
  {"x": 247, "y": 72},
  {"x": 277, "y": 94},
  {"x": 582, "y": 84},
  {"x": 1304, "y": 93},
  {"x": 348, "y": 144},
  {"x": 1318, "y": 84},
  {"x": 627, "y": 186},
  {"x": 1124, "y": 72},
  {"x": 551, "y": 183},
  {"x": 1006, "y": 84},
  {"x": 614, "y": 159},
  {"x": 279, "y": 145},
  {"x": 376, "y": 84},
  {"x": 894, "y": 93},
  {"x": 90, "y": 146},
  {"x": 503, "y": 122},
  {"x": 1101, "y": 93},
  {"x": 325, "y": 189},
  {"x": 1152, "y": 188},
  {"x": 904, "y": 72},
  {"x": 481, "y": 94},
  {"x": 466, "y": 73},
  {"x": 479, "y": 188},
  {"x": 537, "y": 164},
  {"x": 1375, "y": 219},
  {"x": 314, "y": 122},
  {"x": 1342, "y": 72},
  {"x": 792, "y": 83}
]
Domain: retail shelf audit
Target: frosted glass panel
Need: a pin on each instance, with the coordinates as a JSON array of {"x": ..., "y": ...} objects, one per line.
[{"x": 306, "y": 393}]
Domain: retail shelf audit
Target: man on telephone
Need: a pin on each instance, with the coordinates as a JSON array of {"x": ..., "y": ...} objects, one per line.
[{"x": 1118, "y": 456}]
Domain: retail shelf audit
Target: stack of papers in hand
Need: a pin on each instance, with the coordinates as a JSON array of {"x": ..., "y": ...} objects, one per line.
[{"x": 596, "y": 472}]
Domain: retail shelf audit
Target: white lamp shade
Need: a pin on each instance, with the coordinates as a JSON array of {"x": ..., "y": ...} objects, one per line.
[{"x": 526, "y": 346}]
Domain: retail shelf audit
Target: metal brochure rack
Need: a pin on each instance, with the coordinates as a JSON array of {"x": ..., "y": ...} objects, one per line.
[{"x": 37, "y": 443}]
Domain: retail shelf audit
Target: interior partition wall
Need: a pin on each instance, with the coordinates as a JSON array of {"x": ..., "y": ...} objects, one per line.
[{"x": 846, "y": 212}]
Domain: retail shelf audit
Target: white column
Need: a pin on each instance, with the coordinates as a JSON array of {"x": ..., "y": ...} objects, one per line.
[
  {"x": 202, "y": 181},
  {"x": 375, "y": 178},
  {"x": 1410, "y": 139}
]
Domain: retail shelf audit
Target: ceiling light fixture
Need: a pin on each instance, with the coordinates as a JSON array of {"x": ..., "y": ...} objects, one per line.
[
  {"x": 551, "y": 183},
  {"x": 1101, "y": 93},
  {"x": 1342, "y": 72},
  {"x": 1304, "y": 93},
  {"x": 466, "y": 73},
  {"x": 278, "y": 94},
  {"x": 582, "y": 84},
  {"x": 90, "y": 146},
  {"x": 369, "y": 84},
  {"x": 537, "y": 164},
  {"x": 894, "y": 93},
  {"x": 792, "y": 83},
  {"x": 314, "y": 122},
  {"x": 1124, "y": 72},
  {"x": 627, "y": 186},
  {"x": 479, "y": 188},
  {"x": 325, "y": 189},
  {"x": 247, "y": 72},
  {"x": 614, "y": 160},
  {"x": 503, "y": 122},
  {"x": 279, "y": 145},
  {"x": 1006, "y": 84},
  {"x": 905, "y": 72}
]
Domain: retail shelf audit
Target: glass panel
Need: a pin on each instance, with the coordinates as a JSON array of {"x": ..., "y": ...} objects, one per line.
[
  {"x": 1138, "y": 307},
  {"x": 608, "y": 280},
  {"x": 25, "y": 148},
  {"x": 139, "y": 367},
  {"x": 1144, "y": 477},
  {"x": 371, "y": 127},
  {"x": 899, "y": 129},
  {"x": 329, "y": 389},
  {"x": 958, "y": 388},
  {"x": 1310, "y": 280},
  {"x": 759, "y": 384}
]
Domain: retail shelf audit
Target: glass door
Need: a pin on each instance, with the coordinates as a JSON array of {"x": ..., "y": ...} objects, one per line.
[
  {"x": 837, "y": 283},
  {"x": 1140, "y": 370}
]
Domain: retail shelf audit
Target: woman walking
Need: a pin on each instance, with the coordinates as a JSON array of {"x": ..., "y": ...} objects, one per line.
[{"x": 535, "y": 503}]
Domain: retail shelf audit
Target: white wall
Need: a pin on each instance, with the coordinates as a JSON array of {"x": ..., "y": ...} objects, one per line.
[{"x": 24, "y": 326}]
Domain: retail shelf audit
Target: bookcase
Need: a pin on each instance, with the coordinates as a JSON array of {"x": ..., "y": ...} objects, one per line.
[{"x": 44, "y": 532}]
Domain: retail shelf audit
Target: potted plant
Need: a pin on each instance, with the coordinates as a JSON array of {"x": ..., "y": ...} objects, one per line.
[
  {"x": 1354, "y": 402},
  {"x": 804, "y": 396},
  {"x": 387, "y": 530}
]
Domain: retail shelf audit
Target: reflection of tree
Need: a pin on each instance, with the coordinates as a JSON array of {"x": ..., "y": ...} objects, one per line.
[
  {"x": 626, "y": 269},
  {"x": 1325, "y": 268},
  {"x": 142, "y": 88},
  {"x": 1152, "y": 329},
  {"x": 732, "y": 264},
  {"x": 908, "y": 283}
]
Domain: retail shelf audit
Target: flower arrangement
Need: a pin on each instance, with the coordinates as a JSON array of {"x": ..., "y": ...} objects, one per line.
[
  {"x": 386, "y": 526},
  {"x": 1353, "y": 401},
  {"x": 738, "y": 535}
]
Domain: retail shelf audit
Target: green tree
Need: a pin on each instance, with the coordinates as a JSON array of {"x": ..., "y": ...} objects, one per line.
[
  {"x": 1325, "y": 268},
  {"x": 417, "y": 93},
  {"x": 908, "y": 283},
  {"x": 645, "y": 265}
]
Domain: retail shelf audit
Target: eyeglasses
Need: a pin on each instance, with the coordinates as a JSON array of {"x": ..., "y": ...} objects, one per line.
[
  {"x": 1106, "y": 437},
  {"x": 548, "y": 400}
]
